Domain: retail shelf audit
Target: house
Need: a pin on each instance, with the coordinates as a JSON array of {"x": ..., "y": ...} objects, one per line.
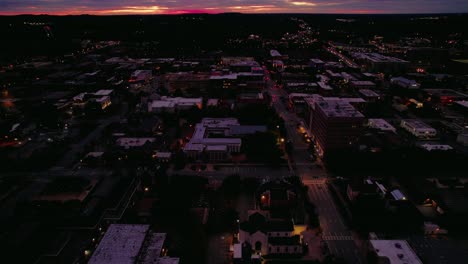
[{"x": 269, "y": 237}]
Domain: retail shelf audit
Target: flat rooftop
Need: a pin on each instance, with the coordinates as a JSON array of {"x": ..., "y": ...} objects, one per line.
[
  {"x": 120, "y": 245},
  {"x": 416, "y": 124},
  {"x": 381, "y": 124},
  {"x": 462, "y": 103},
  {"x": 376, "y": 57},
  {"x": 152, "y": 248},
  {"x": 368, "y": 93},
  {"x": 362, "y": 83},
  {"x": 166, "y": 260},
  {"x": 396, "y": 251},
  {"x": 133, "y": 142},
  {"x": 338, "y": 108}
]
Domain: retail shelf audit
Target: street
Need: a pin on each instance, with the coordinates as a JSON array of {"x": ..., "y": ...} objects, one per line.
[{"x": 335, "y": 233}]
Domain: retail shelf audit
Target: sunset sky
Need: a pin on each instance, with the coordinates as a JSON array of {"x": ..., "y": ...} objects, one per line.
[{"x": 117, "y": 7}]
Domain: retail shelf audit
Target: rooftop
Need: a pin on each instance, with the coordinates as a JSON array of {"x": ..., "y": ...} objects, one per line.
[
  {"x": 376, "y": 57},
  {"x": 430, "y": 147},
  {"x": 416, "y": 124},
  {"x": 103, "y": 92},
  {"x": 462, "y": 103},
  {"x": 368, "y": 93},
  {"x": 363, "y": 83},
  {"x": 120, "y": 245},
  {"x": 396, "y": 251},
  {"x": 152, "y": 248},
  {"x": 381, "y": 124},
  {"x": 133, "y": 142},
  {"x": 275, "y": 53},
  {"x": 338, "y": 108}
]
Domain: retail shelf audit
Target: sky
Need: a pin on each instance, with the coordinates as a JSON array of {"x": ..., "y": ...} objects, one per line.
[{"x": 119, "y": 7}]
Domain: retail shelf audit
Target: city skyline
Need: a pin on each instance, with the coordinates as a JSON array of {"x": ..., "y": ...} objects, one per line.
[{"x": 108, "y": 7}]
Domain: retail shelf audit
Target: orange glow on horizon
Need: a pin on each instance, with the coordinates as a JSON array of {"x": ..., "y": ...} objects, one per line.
[{"x": 161, "y": 10}]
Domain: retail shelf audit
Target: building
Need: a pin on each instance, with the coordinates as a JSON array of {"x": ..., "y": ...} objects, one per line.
[
  {"x": 278, "y": 65},
  {"x": 242, "y": 130},
  {"x": 418, "y": 128},
  {"x": 362, "y": 85},
  {"x": 140, "y": 76},
  {"x": 324, "y": 89},
  {"x": 405, "y": 83},
  {"x": 130, "y": 244},
  {"x": 301, "y": 87},
  {"x": 334, "y": 124},
  {"x": 445, "y": 96},
  {"x": 251, "y": 98},
  {"x": 127, "y": 143},
  {"x": 367, "y": 188},
  {"x": 275, "y": 54},
  {"x": 380, "y": 124},
  {"x": 266, "y": 236},
  {"x": 393, "y": 252},
  {"x": 462, "y": 137},
  {"x": 317, "y": 64},
  {"x": 432, "y": 147},
  {"x": 369, "y": 95},
  {"x": 187, "y": 83},
  {"x": 103, "y": 97},
  {"x": 211, "y": 136},
  {"x": 163, "y": 157},
  {"x": 462, "y": 107},
  {"x": 376, "y": 62},
  {"x": 170, "y": 104},
  {"x": 251, "y": 80},
  {"x": 226, "y": 81}
]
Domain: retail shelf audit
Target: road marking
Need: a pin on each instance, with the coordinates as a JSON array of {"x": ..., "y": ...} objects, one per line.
[{"x": 337, "y": 238}]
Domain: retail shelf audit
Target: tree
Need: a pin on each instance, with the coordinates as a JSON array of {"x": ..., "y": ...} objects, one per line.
[
  {"x": 262, "y": 147},
  {"x": 180, "y": 160}
]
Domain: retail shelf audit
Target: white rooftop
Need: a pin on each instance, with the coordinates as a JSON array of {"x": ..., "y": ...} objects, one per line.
[
  {"x": 120, "y": 245},
  {"x": 462, "y": 103},
  {"x": 396, "y": 251}
]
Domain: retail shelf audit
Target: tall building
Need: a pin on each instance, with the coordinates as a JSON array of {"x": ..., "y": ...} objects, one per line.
[{"x": 334, "y": 123}]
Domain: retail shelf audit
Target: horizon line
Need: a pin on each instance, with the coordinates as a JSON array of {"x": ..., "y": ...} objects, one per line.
[{"x": 240, "y": 13}]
